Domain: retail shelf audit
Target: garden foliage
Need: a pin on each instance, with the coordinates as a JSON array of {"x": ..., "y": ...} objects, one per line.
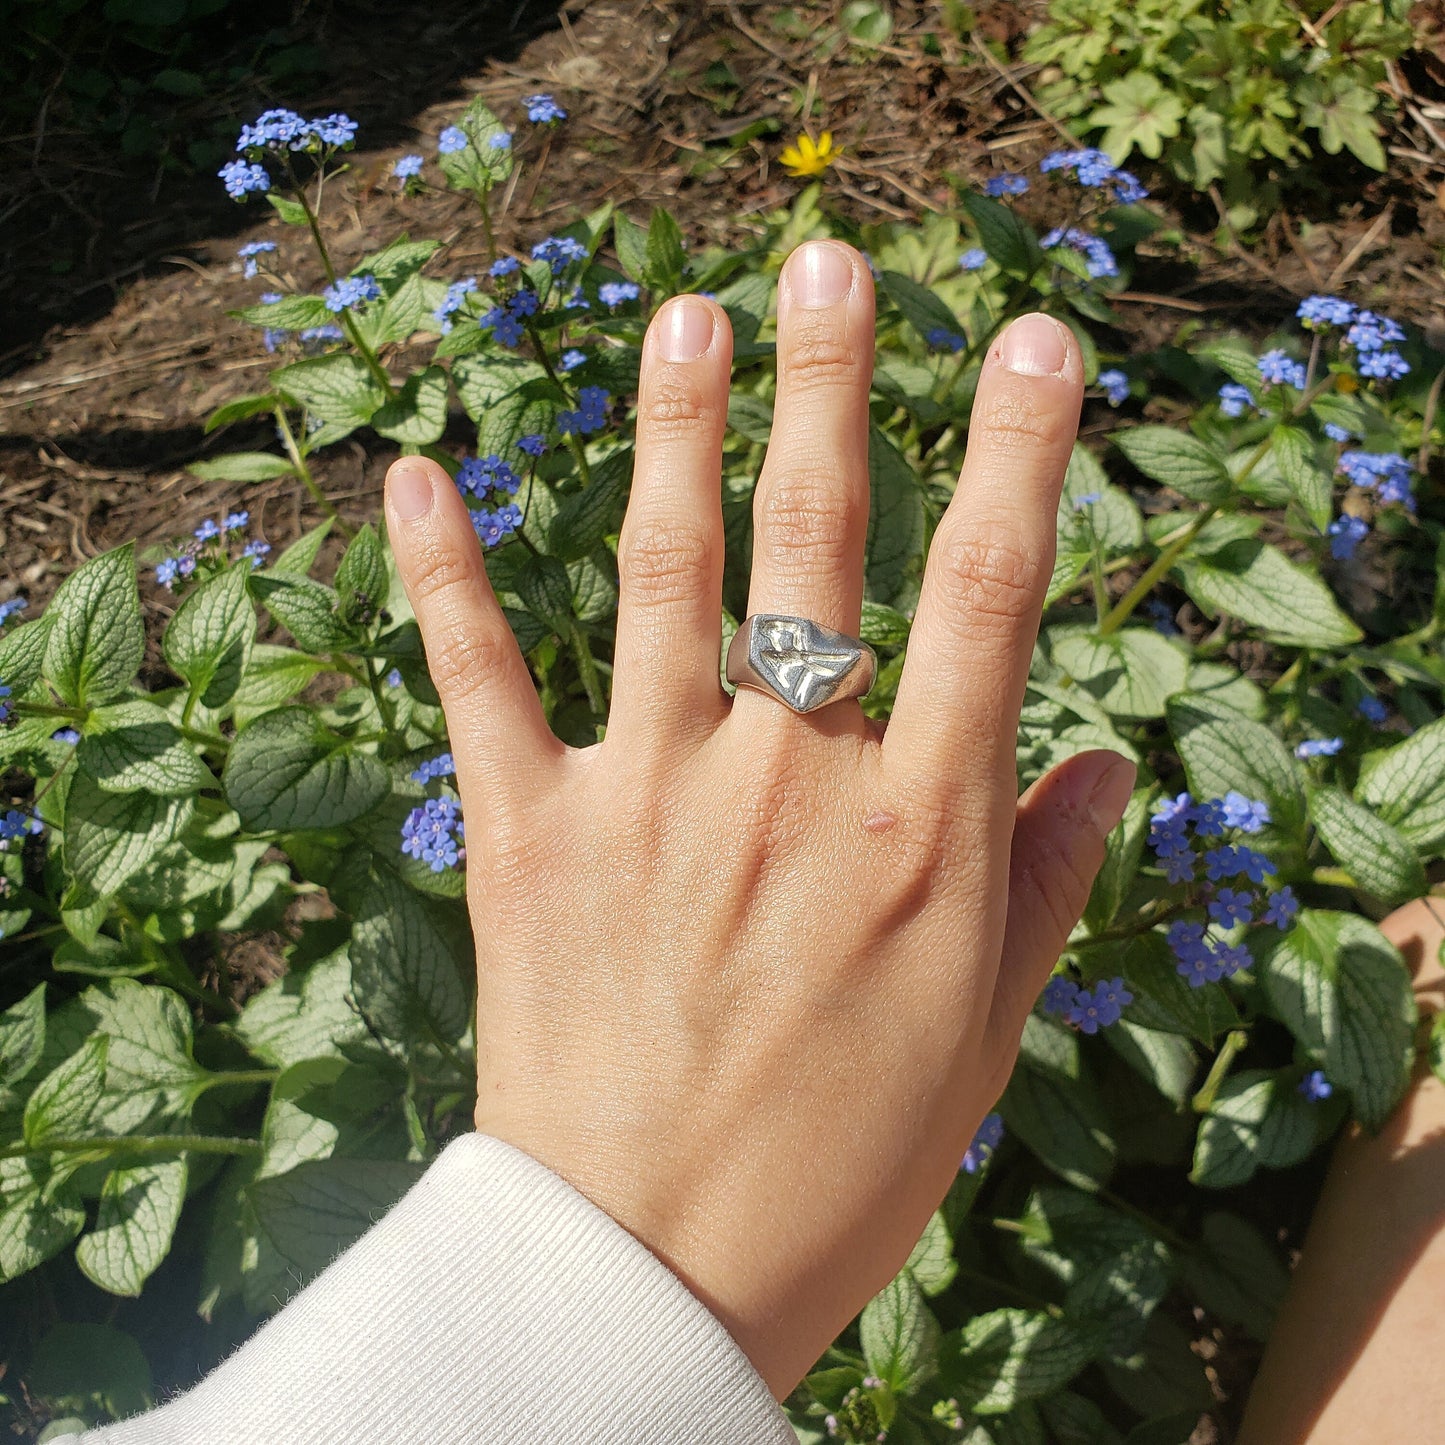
[
  {"x": 175, "y": 1150},
  {"x": 1243, "y": 96}
]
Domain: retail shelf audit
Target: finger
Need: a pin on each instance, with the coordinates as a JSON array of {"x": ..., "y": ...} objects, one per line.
[
  {"x": 495, "y": 722},
  {"x": 810, "y": 510},
  {"x": 988, "y": 568},
  {"x": 670, "y": 554},
  {"x": 1059, "y": 836}
]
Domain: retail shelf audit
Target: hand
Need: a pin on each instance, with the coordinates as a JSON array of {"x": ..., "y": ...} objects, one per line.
[{"x": 749, "y": 980}]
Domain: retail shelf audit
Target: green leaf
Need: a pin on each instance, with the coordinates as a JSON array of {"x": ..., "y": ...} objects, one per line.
[
  {"x": 40, "y": 1214},
  {"x": 309, "y": 610},
  {"x": 293, "y": 213},
  {"x": 1405, "y": 785},
  {"x": 1377, "y": 857},
  {"x": 931, "y": 1261},
  {"x": 288, "y": 770},
  {"x": 1123, "y": 849},
  {"x": 546, "y": 592},
  {"x": 22, "y": 653},
  {"x": 1112, "y": 1298},
  {"x": 303, "y": 1015},
  {"x": 298, "y": 559},
  {"x": 1176, "y": 459},
  {"x": 921, "y": 308},
  {"x": 1132, "y": 672},
  {"x": 899, "y": 1335},
  {"x": 1053, "y": 1107},
  {"x": 417, "y": 414},
  {"x": 480, "y": 166},
  {"x": 209, "y": 640},
  {"x": 408, "y": 958},
  {"x": 97, "y": 639},
  {"x": 483, "y": 381},
  {"x": 750, "y": 417},
  {"x": 1257, "y": 1118},
  {"x": 665, "y": 255},
  {"x": 86, "y": 1367},
  {"x": 110, "y": 837},
  {"x": 1313, "y": 486},
  {"x": 1113, "y": 520},
  {"x": 1221, "y": 749},
  {"x": 275, "y": 674},
  {"x": 64, "y": 1100},
  {"x": 132, "y": 747},
  {"x": 241, "y": 408},
  {"x": 22, "y": 1036},
  {"x": 630, "y": 239},
  {"x": 313, "y": 1212},
  {"x": 290, "y": 313},
  {"x": 585, "y": 518},
  {"x": 398, "y": 261},
  {"x": 1162, "y": 999},
  {"x": 1236, "y": 1274},
  {"x": 337, "y": 387},
  {"x": 139, "y": 1208},
  {"x": 413, "y": 308},
  {"x": 1344, "y": 992},
  {"x": 1001, "y": 233},
  {"x": 1258, "y": 584},
  {"x": 242, "y": 467},
  {"x": 895, "y": 526},
  {"x": 1006, "y": 1356},
  {"x": 362, "y": 580},
  {"x": 150, "y": 1076},
  {"x": 884, "y": 626}
]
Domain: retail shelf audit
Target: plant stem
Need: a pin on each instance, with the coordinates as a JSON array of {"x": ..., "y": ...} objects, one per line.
[
  {"x": 288, "y": 440},
  {"x": 348, "y": 322},
  {"x": 587, "y": 666},
  {"x": 1167, "y": 558},
  {"x": 384, "y": 709},
  {"x": 1124, "y": 607},
  {"x": 152, "y": 1144},
  {"x": 1203, "y": 1101}
]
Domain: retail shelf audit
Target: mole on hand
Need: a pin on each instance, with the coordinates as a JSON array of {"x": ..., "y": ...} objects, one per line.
[{"x": 879, "y": 822}]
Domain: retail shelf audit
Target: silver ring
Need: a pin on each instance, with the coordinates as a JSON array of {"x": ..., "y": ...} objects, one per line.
[{"x": 800, "y": 662}]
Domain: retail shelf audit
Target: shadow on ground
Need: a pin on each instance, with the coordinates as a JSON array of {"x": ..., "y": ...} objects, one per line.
[{"x": 82, "y": 218}]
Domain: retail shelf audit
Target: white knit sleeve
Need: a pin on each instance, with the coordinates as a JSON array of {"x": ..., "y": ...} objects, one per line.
[{"x": 494, "y": 1305}]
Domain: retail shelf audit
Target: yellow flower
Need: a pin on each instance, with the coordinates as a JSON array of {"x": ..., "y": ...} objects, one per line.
[{"x": 805, "y": 157}]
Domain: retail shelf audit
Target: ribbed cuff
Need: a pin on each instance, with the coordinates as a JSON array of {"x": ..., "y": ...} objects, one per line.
[{"x": 494, "y": 1305}]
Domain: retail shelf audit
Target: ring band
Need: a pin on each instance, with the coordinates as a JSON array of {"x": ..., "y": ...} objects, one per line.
[{"x": 800, "y": 662}]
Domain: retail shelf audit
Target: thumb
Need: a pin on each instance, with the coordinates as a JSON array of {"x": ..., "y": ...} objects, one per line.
[{"x": 1058, "y": 846}]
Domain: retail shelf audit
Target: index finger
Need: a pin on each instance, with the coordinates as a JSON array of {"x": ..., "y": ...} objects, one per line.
[{"x": 956, "y": 715}]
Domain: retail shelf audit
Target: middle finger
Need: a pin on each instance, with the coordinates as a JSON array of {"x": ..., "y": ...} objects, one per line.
[{"x": 810, "y": 510}]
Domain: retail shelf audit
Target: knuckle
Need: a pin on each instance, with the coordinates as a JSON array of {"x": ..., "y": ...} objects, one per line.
[
  {"x": 996, "y": 577},
  {"x": 676, "y": 404},
  {"x": 435, "y": 570},
  {"x": 462, "y": 660},
  {"x": 818, "y": 351},
  {"x": 809, "y": 514},
  {"x": 1016, "y": 419},
  {"x": 663, "y": 561}
]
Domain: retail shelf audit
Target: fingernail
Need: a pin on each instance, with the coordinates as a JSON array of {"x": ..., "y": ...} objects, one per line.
[
  {"x": 1035, "y": 345},
  {"x": 1110, "y": 795},
  {"x": 409, "y": 486},
  {"x": 686, "y": 329},
  {"x": 820, "y": 274}
]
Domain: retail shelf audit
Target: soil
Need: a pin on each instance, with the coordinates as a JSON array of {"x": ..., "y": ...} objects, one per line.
[
  {"x": 113, "y": 366},
  {"x": 113, "y": 369}
]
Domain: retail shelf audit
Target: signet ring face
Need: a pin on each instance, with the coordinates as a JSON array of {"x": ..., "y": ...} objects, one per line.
[{"x": 800, "y": 662}]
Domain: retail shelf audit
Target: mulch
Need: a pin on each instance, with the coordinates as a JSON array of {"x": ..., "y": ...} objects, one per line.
[{"x": 676, "y": 104}]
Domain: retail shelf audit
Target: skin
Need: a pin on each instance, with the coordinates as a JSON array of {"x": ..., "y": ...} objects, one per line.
[
  {"x": 750, "y": 980},
  {"x": 1355, "y": 1353}
]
